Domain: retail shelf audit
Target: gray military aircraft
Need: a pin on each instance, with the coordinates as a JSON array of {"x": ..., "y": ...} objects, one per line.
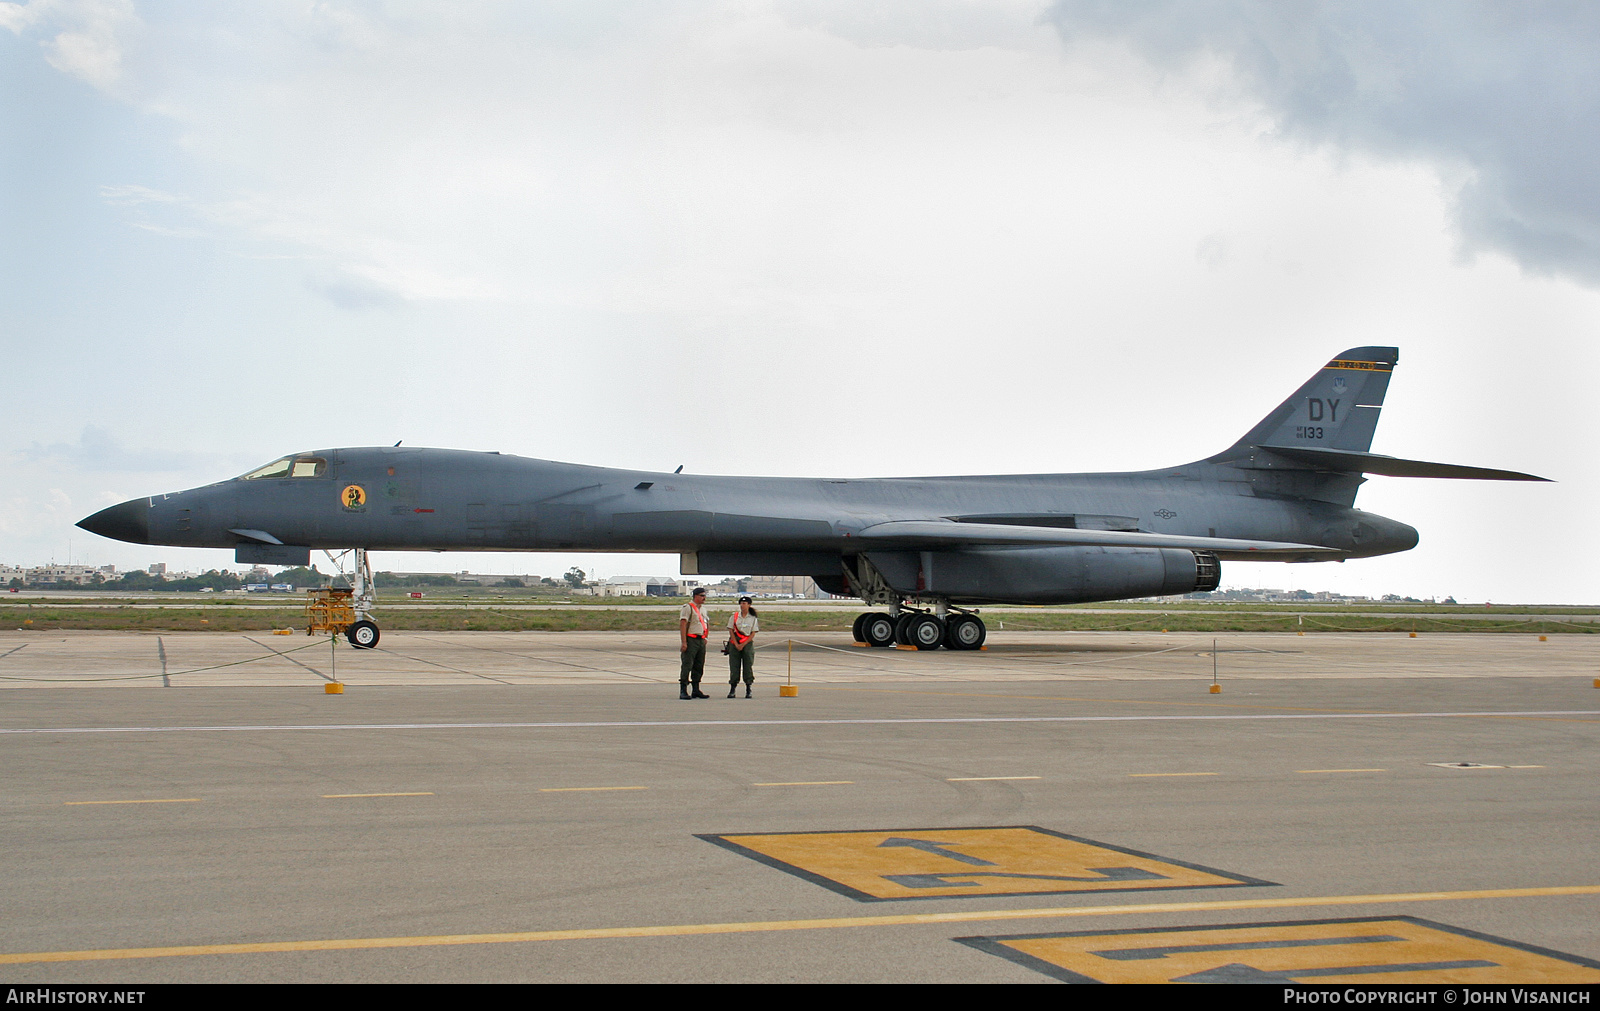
[{"x": 923, "y": 549}]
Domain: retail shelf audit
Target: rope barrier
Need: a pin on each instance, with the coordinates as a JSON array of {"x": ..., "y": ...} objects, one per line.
[
  {"x": 176, "y": 673},
  {"x": 1072, "y": 663}
]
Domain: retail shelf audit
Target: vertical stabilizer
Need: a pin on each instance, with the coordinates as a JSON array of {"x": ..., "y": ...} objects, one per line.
[{"x": 1336, "y": 409}]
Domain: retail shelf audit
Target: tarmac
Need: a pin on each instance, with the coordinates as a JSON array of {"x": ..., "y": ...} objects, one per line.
[
  {"x": 1348, "y": 809},
  {"x": 263, "y": 659}
]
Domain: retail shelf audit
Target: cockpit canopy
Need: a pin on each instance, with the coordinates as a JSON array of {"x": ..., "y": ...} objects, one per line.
[{"x": 290, "y": 466}]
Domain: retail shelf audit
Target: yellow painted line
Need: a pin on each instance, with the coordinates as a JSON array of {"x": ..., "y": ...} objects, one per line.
[
  {"x": 588, "y": 789},
  {"x": 337, "y": 796},
  {"x": 1147, "y": 775},
  {"x": 767, "y": 926},
  {"x": 1305, "y": 772},
  {"x": 165, "y": 800},
  {"x": 819, "y": 782},
  {"x": 984, "y": 779}
]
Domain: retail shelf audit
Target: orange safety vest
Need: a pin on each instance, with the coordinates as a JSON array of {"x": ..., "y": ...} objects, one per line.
[
  {"x": 738, "y": 638},
  {"x": 705, "y": 626}
]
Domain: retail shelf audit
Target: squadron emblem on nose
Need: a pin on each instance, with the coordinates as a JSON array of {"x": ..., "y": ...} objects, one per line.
[{"x": 354, "y": 497}]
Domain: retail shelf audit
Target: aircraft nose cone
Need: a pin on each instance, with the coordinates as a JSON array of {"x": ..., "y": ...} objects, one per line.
[{"x": 129, "y": 521}]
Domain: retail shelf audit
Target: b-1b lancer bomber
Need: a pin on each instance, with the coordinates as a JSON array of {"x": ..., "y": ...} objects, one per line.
[{"x": 925, "y": 550}]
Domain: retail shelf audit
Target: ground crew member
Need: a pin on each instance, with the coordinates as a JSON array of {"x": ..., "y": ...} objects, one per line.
[
  {"x": 692, "y": 631},
  {"x": 741, "y": 648}
]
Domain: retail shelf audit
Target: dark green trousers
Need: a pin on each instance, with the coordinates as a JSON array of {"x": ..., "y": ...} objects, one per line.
[
  {"x": 693, "y": 665},
  {"x": 745, "y": 658}
]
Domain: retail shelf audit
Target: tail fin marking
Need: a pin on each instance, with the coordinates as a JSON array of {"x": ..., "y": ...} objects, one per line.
[{"x": 1337, "y": 408}]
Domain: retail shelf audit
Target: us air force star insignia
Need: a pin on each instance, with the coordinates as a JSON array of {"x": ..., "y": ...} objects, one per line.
[{"x": 353, "y": 497}]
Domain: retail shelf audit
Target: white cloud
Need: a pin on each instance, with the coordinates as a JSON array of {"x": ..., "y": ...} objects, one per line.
[
  {"x": 98, "y": 450},
  {"x": 89, "y": 36},
  {"x": 1504, "y": 100}
]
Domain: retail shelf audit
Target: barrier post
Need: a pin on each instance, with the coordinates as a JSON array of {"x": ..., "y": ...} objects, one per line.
[
  {"x": 334, "y": 687},
  {"x": 788, "y": 690}
]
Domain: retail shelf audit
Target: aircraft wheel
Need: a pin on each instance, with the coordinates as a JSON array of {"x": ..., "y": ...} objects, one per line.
[
  {"x": 902, "y": 628},
  {"x": 362, "y": 635},
  {"x": 855, "y": 630},
  {"x": 963, "y": 631},
  {"x": 877, "y": 629},
  {"x": 925, "y": 631}
]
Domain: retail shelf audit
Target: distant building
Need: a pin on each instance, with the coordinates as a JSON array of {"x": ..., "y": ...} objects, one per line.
[
  {"x": 157, "y": 569},
  {"x": 781, "y": 586},
  {"x": 77, "y": 575},
  {"x": 638, "y": 586}
]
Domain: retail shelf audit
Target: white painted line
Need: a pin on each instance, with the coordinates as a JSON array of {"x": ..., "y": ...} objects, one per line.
[
  {"x": 819, "y": 782},
  {"x": 167, "y": 800},
  {"x": 1308, "y": 772},
  {"x": 984, "y": 779}
]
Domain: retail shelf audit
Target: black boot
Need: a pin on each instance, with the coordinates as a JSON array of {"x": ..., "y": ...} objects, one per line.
[
  {"x": 747, "y": 691},
  {"x": 698, "y": 694},
  {"x": 683, "y": 691},
  {"x": 732, "y": 688}
]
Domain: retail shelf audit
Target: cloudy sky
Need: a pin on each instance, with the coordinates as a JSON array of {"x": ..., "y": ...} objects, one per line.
[{"x": 798, "y": 238}]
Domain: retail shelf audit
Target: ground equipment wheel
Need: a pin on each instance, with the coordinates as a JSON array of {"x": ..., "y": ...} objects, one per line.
[
  {"x": 877, "y": 629},
  {"x": 855, "y": 630},
  {"x": 362, "y": 634},
  {"x": 925, "y": 631},
  {"x": 963, "y": 631}
]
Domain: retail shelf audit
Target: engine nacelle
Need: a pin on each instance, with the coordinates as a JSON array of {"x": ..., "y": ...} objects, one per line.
[{"x": 1066, "y": 575}]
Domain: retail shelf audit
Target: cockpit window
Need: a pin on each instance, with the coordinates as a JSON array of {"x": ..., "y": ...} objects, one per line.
[
  {"x": 290, "y": 466},
  {"x": 277, "y": 468}
]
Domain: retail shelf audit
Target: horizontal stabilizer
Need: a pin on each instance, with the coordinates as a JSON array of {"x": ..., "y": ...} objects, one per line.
[
  {"x": 949, "y": 534},
  {"x": 1391, "y": 466}
]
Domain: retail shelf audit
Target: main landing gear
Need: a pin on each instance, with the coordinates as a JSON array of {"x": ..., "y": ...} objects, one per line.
[{"x": 903, "y": 626}]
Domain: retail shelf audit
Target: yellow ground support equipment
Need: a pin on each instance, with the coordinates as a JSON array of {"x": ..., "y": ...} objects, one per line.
[{"x": 330, "y": 611}]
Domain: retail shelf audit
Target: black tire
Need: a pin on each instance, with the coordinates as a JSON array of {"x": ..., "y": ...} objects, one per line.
[
  {"x": 362, "y": 634},
  {"x": 877, "y": 629},
  {"x": 855, "y": 630},
  {"x": 925, "y": 631},
  {"x": 902, "y": 628},
  {"x": 963, "y": 631}
]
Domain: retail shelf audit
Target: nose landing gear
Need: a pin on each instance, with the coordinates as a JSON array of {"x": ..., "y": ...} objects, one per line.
[
  {"x": 362, "y": 634},
  {"x": 348, "y": 610}
]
